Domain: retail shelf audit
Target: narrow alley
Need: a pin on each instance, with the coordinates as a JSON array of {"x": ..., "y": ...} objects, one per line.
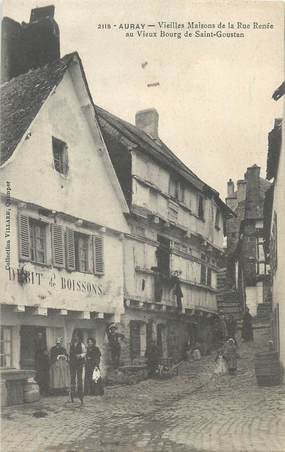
[{"x": 195, "y": 411}]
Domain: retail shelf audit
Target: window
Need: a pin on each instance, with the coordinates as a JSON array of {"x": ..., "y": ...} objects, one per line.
[
  {"x": 203, "y": 274},
  {"x": 209, "y": 277},
  {"x": 37, "y": 241},
  {"x": 206, "y": 275},
  {"x": 176, "y": 189},
  {"x": 260, "y": 257},
  {"x": 163, "y": 255},
  {"x": 32, "y": 236},
  {"x": 201, "y": 207},
  {"x": 84, "y": 253},
  {"x": 81, "y": 252},
  {"x": 217, "y": 219},
  {"x": 6, "y": 347},
  {"x": 139, "y": 230},
  {"x": 60, "y": 157}
]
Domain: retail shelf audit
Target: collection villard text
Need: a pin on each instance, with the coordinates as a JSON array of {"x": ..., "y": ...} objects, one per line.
[{"x": 8, "y": 225}]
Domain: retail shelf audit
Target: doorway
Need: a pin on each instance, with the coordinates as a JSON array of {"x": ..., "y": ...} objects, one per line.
[
  {"x": 29, "y": 338},
  {"x": 161, "y": 339},
  {"x": 83, "y": 334}
]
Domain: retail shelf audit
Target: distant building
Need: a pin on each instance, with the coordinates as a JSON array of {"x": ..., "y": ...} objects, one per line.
[
  {"x": 247, "y": 262},
  {"x": 275, "y": 231},
  {"x": 175, "y": 248}
]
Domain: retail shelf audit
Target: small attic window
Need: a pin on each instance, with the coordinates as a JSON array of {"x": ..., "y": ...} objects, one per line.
[{"x": 60, "y": 155}]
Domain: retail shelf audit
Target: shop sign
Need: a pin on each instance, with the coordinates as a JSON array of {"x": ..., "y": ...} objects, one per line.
[{"x": 54, "y": 281}]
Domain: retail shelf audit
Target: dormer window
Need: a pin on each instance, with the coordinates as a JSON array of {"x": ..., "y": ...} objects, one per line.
[{"x": 60, "y": 156}]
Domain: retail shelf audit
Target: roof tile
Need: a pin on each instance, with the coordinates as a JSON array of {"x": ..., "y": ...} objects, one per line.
[{"x": 21, "y": 100}]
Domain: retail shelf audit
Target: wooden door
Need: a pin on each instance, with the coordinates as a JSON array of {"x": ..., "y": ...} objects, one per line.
[
  {"x": 29, "y": 337},
  {"x": 135, "y": 342}
]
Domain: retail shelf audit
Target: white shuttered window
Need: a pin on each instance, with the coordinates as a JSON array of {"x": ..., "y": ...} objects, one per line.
[
  {"x": 57, "y": 241},
  {"x": 98, "y": 254},
  {"x": 24, "y": 237},
  {"x": 70, "y": 249}
]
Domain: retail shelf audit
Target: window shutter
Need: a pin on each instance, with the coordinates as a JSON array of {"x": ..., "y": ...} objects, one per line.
[
  {"x": 90, "y": 255},
  {"x": 98, "y": 248},
  {"x": 24, "y": 238},
  {"x": 57, "y": 240},
  {"x": 65, "y": 160},
  {"x": 70, "y": 250}
]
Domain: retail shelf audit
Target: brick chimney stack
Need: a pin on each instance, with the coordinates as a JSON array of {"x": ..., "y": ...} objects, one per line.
[
  {"x": 231, "y": 188},
  {"x": 147, "y": 120},
  {"x": 253, "y": 200},
  {"x": 241, "y": 190},
  {"x": 28, "y": 46}
]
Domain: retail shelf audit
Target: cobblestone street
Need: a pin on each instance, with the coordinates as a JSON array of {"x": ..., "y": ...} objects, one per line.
[{"x": 195, "y": 411}]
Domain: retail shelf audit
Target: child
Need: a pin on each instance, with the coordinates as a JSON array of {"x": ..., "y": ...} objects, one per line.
[
  {"x": 231, "y": 355},
  {"x": 221, "y": 366},
  {"x": 196, "y": 352}
]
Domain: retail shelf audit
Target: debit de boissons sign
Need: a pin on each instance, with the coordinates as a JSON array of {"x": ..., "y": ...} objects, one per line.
[{"x": 54, "y": 281}]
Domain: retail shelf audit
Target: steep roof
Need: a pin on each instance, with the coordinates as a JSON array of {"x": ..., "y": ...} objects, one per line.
[
  {"x": 21, "y": 100},
  {"x": 157, "y": 149},
  {"x": 23, "y": 96}
]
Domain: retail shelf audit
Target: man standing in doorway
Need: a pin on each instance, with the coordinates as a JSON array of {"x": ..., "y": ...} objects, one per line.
[
  {"x": 115, "y": 346},
  {"x": 42, "y": 364},
  {"x": 76, "y": 362},
  {"x": 152, "y": 355}
]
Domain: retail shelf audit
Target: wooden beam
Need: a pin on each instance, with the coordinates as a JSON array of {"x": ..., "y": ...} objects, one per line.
[
  {"x": 40, "y": 311},
  {"x": 19, "y": 308},
  {"x": 85, "y": 315},
  {"x": 63, "y": 312},
  {"x": 99, "y": 315}
]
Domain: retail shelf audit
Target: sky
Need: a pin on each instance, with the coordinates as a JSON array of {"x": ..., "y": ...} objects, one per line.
[{"x": 214, "y": 96}]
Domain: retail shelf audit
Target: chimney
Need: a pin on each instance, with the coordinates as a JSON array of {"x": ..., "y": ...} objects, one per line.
[
  {"x": 241, "y": 190},
  {"x": 277, "y": 122},
  {"x": 231, "y": 188},
  {"x": 253, "y": 192},
  {"x": 147, "y": 120},
  {"x": 29, "y": 46}
]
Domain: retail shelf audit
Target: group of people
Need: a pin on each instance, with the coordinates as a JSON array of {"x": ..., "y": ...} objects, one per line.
[
  {"x": 59, "y": 371},
  {"x": 227, "y": 327},
  {"x": 227, "y": 356}
]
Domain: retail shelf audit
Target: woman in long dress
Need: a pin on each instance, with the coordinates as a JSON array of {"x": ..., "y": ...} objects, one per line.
[
  {"x": 247, "y": 330},
  {"x": 59, "y": 369},
  {"x": 93, "y": 356}
]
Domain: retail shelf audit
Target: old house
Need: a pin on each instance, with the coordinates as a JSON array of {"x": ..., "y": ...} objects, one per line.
[
  {"x": 173, "y": 252},
  {"x": 247, "y": 279},
  {"x": 62, "y": 208},
  {"x": 275, "y": 232}
]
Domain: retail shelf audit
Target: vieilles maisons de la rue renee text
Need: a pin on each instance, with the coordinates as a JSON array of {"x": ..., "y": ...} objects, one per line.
[{"x": 188, "y": 25}]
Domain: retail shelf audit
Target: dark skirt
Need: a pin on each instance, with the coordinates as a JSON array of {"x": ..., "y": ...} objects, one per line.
[{"x": 97, "y": 388}]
